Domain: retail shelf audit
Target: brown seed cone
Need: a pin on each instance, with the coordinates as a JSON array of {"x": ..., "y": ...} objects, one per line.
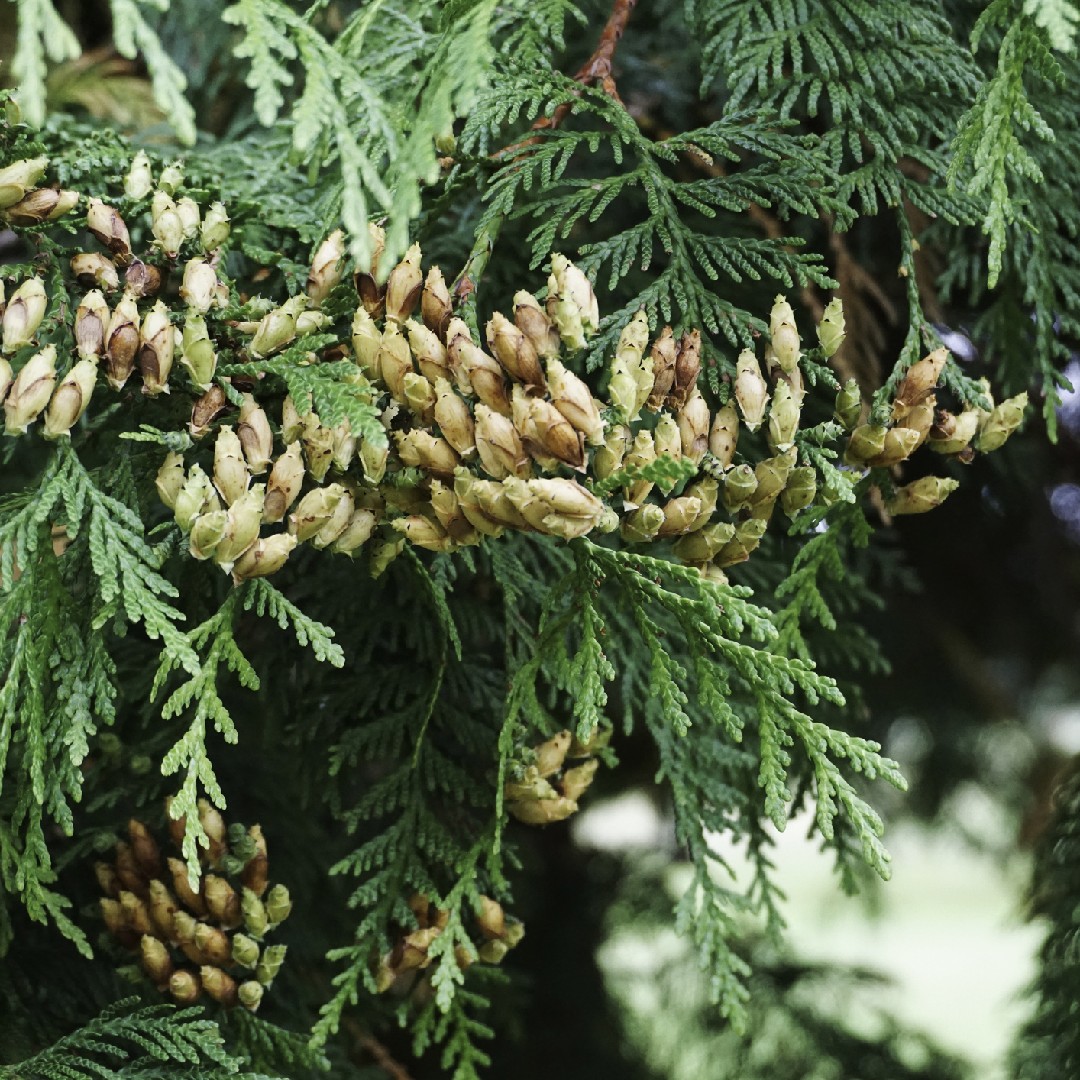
[
  {"x": 411, "y": 952},
  {"x": 254, "y": 874},
  {"x": 206, "y": 410},
  {"x": 93, "y": 270},
  {"x": 136, "y": 914},
  {"x": 184, "y": 987},
  {"x": 155, "y": 959},
  {"x": 163, "y": 906},
  {"x": 218, "y": 985},
  {"x": 514, "y": 351},
  {"x": 664, "y": 358},
  {"x": 213, "y": 943},
  {"x": 491, "y": 918},
  {"x": 555, "y": 434},
  {"x": 687, "y": 368},
  {"x": 108, "y": 226},
  {"x": 128, "y": 870},
  {"x": 145, "y": 849},
  {"x": 188, "y": 897},
  {"x": 107, "y": 879},
  {"x": 919, "y": 382},
  {"x": 113, "y": 915},
  {"x": 121, "y": 343},
  {"x": 435, "y": 306},
  {"x": 222, "y": 901},
  {"x": 533, "y": 321},
  {"x": 142, "y": 279},
  {"x": 176, "y": 826}
]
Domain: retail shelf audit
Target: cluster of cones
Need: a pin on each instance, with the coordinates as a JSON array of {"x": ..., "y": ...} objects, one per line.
[
  {"x": 402, "y": 968},
  {"x": 207, "y": 937},
  {"x": 546, "y": 785}
]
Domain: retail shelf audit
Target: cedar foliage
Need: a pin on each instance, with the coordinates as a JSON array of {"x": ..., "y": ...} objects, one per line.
[{"x": 694, "y": 160}]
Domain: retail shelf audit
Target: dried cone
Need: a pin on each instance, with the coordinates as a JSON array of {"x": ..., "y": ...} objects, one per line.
[
  {"x": 454, "y": 419},
  {"x": 144, "y": 848},
  {"x": 531, "y": 319},
  {"x": 231, "y": 475},
  {"x": 93, "y": 270},
  {"x": 435, "y": 306},
  {"x": 514, "y": 351},
  {"x": 70, "y": 399},
  {"x": 91, "y": 319},
  {"x": 327, "y": 267},
  {"x": 403, "y": 286},
  {"x": 571, "y": 396},
  {"x": 284, "y": 484},
  {"x": 23, "y": 314},
  {"x": 44, "y": 204},
  {"x": 222, "y": 901},
  {"x": 551, "y": 754},
  {"x": 919, "y": 382},
  {"x": 724, "y": 435},
  {"x": 687, "y": 368},
  {"x": 122, "y": 342},
  {"x": 156, "y": 345},
  {"x": 141, "y": 279},
  {"x": 108, "y": 226}
]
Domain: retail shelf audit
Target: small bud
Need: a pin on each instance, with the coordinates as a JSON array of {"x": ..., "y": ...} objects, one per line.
[
  {"x": 253, "y": 910},
  {"x": 848, "y": 405},
  {"x": 166, "y": 224},
  {"x": 641, "y": 453},
  {"x": 23, "y": 314},
  {"x": 750, "y": 390},
  {"x": 642, "y": 525},
  {"x": 687, "y": 368},
  {"x": 435, "y": 306},
  {"x": 222, "y": 901},
  {"x": 571, "y": 303},
  {"x": 609, "y": 457},
  {"x": 255, "y": 434},
  {"x": 221, "y": 987},
  {"x": 44, "y": 204},
  {"x": 245, "y": 950},
  {"x": 184, "y": 987},
  {"x": 122, "y": 342},
  {"x": 215, "y": 228},
  {"x": 157, "y": 341},
  {"x": 514, "y": 351},
  {"x": 250, "y": 994},
  {"x": 740, "y": 485},
  {"x": 278, "y": 904},
  {"x": 31, "y": 390},
  {"x": 276, "y": 328},
  {"x": 197, "y": 351},
  {"x": 108, "y": 226},
  {"x": 531, "y": 319},
  {"x": 19, "y": 177},
  {"x": 866, "y": 442},
  {"x": 139, "y": 181},
  {"x": 70, "y": 398},
  {"x": 783, "y": 418},
  {"x": 196, "y": 497},
  {"x": 283, "y": 486},
  {"x": 830, "y": 331},
  {"x": 404, "y": 285},
  {"x": 93, "y": 270},
  {"x": 701, "y": 545},
  {"x": 784, "y": 335},
  {"x": 172, "y": 177},
  {"x": 799, "y": 491},
  {"x": 572, "y": 398},
  {"x": 1001, "y": 423},
  {"x": 922, "y": 495},
  {"x": 667, "y": 440},
  {"x": 724, "y": 434},
  {"x": 273, "y": 956},
  {"x": 231, "y": 476}
]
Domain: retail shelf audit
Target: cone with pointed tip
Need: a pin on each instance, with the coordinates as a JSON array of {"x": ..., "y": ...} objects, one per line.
[
  {"x": 784, "y": 335},
  {"x": 751, "y": 393},
  {"x": 848, "y": 405},
  {"x": 273, "y": 956},
  {"x": 18, "y": 178},
  {"x": 166, "y": 223},
  {"x": 122, "y": 342},
  {"x": 222, "y": 901},
  {"x": 499, "y": 445},
  {"x": 642, "y": 525},
  {"x": 44, "y": 204},
  {"x": 783, "y": 418},
  {"x": 215, "y": 228},
  {"x": 276, "y": 328},
  {"x": 571, "y": 396},
  {"x": 199, "y": 287},
  {"x": 266, "y": 556},
  {"x": 108, "y": 226},
  {"x": 196, "y": 497},
  {"x": 70, "y": 399},
  {"x": 250, "y": 994},
  {"x": 428, "y": 351},
  {"x": 831, "y": 330},
  {"x": 921, "y": 496},
  {"x": 899, "y": 444},
  {"x": 724, "y": 435},
  {"x": 703, "y": 544},
  {"x": 514, "y": 351},
  {"x": 550, "y": 755},
  {"x": 327, "y": 267},
  {"x": 687, "y": 368},
  {"x": 23, "y": 314},
  {"x": 435, "y": 306},
  {"x": 139, "y": 180},
  {"x": 609, "y": 457},
  {"x": 242, "y": 528},
  {"x": 919, "y": 382},
  {"x": 799, "y": 491},
  {"x": 157, "y": 340},
  {"x": 403, "y": 286},
  {"x": 571, "y": 303},
  {"x": 284, "y": 483},
  {"x": 366, "y": 339},
  {"x": 314, "y": 510},
  {"x": 668, "y": 440},
  {"x": 693, "y": 421},
  {"x": 220, "y": 986},
  {"x": 867, "y": 441},
  {"x": 184, "y": 987},
  {"x": 532, "y": 320},
  {"x": 197, "y": 352},
  {"x": 1005, "y": 418},
  {"x": 337, "y": 523},
  {"x": 30, "y": 391},
  {"x": 231, "y": 475},
  {"x": 394, "y": 361}
]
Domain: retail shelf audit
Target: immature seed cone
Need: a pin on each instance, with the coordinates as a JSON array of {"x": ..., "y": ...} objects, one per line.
[
  {"x": 724, "y": 435},
  {"x": 44, "y": 204},
  {"x": 199, "y": 288},
  {"x": 156, "y": 344},
  {"x": 139, "y": 181},
  {"x": 831, "y": 329},
  {"x": 784, "y": 335},
  {"x": 919, "y": 382},
  {"x": 1001, "y": 423},
  {"x": 266, "y": 556},
  {"x": 222, "y": 901},
  {"x": 327, "y": 267},
  {"x": 532, "y": 320},
  {"x": 256, "y": 436},
  {"x": 166, "y": 224},
  {"x": 571, "y": 303},
  {"x": 750, "y": 390},
  {"x": 454, "y": 419},
  {"x": 514, "y": 351},
  {"x": 215, "y": 228},
  {"x": 284, "y": 484},
  {"x": 435, "y": 306},
  {"x": 221, "y": 987},
  {"x": 231, "y": 475},
  {"x": 155, "y": 959},
  {"x": 693, "y": 422},
  {"x": 18, "y": 178},
  {"x": 571, "y": 396},
  {"x": 687, "y": 368},
  {"x": 404, "y": 285},
  {"x": 429, "y": 351},
  {"x": 184, "y": 987},
  {"x": 70, "y": 399},
  {"x": 23, "y": 314},
  {"x": 922, "y": 495}
]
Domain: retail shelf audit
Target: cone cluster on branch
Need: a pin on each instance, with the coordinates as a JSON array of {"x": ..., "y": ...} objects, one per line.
[
  {"x": 548, "y": 783},
  {"x": 210, "y": 939},
  {"x": 483, "y": 433},
  {"x": 410, "y": 959}
]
